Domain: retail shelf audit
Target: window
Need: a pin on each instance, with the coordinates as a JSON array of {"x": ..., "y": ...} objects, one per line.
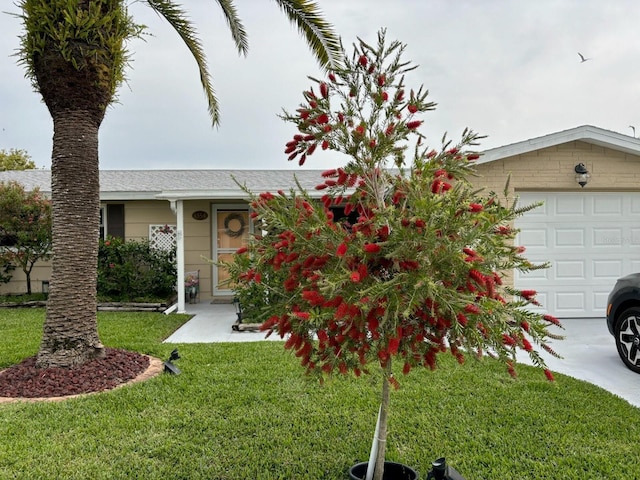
[{"x": 112, "y": 220}]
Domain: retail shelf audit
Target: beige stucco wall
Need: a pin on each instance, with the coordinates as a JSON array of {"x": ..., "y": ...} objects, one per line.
[{"x": 552, "y": 169}]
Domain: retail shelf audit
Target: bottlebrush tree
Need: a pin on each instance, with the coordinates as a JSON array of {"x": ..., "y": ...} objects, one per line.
[{"x": 415, "y": 268}]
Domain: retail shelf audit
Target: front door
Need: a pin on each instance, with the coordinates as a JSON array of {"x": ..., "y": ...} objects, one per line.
[{"x": 231, "y": 231}]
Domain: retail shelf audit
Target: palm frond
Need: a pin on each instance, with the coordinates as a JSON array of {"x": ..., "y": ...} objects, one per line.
[
  {"x": 238, "y": 32},
  {"x": 178, "y": 19},
  {"x": 324, "y": 43}
]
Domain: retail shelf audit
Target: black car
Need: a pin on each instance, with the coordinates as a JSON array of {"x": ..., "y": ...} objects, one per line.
[{"x": 623, "y": 319}]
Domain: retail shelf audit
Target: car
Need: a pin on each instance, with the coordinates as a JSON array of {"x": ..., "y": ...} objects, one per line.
[{"x": 623, "y": 319}]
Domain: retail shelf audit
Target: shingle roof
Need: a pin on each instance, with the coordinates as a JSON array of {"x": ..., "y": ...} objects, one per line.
[
  {"x": 150, "y": 184},
  {"x": 211, "y": 184}
]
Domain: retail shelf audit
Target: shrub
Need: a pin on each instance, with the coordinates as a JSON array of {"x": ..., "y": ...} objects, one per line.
[
  {"x": 6, "y": 269},
  {"x": 134, "y": 270}
]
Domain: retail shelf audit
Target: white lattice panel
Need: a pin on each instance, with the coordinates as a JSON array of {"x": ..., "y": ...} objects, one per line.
[{"x": 162, "y": 237}]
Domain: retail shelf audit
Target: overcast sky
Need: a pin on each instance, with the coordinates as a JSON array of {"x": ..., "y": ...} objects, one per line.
[{"x": 509, "y": 70}]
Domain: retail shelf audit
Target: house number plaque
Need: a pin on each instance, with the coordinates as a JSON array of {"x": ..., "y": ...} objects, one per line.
[{"x": 200, "y": 215}]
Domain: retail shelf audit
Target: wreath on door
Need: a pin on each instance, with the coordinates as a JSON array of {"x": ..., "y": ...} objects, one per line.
[{"x": 228, "y": 227}]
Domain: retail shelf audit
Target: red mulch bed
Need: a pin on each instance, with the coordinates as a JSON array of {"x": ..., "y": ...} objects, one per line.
[{"x": 26, "y": 381}]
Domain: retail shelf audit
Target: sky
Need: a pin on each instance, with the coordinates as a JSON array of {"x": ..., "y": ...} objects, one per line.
[{"x": 508, "y": 70}]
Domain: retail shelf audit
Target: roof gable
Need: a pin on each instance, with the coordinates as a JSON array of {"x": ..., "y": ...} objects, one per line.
[{"x": 585, "y": 133}]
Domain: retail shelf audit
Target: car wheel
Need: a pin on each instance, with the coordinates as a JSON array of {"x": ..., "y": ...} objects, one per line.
[{"x": 627, "y": 335}]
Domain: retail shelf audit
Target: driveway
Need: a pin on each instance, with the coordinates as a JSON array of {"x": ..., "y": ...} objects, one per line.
[{"x": 589, "y": 353}]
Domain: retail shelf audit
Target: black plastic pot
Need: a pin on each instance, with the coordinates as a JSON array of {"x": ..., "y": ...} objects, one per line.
[{"x": 392, "y": 471}]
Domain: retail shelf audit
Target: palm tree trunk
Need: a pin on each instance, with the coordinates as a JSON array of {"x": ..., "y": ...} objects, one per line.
[
  {"x": 382, "y": 432},
  {"x": 70, "y": 332}
]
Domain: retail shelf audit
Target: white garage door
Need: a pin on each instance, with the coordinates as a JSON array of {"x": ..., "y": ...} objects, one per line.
[{"x": 590, "y": 240}]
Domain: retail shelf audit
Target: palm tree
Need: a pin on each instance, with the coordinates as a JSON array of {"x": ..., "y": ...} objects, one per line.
[{"x": 75, "y": 54}]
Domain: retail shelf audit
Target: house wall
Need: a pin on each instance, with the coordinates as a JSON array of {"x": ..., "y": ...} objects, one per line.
[{"x": 552, "y": 169}]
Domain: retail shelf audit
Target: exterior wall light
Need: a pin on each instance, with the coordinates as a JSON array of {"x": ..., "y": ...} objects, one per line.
[{"x": 582, "y": 174}]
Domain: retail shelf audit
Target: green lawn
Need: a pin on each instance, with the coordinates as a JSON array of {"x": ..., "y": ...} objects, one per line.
[{"x": 246, "y": 411}]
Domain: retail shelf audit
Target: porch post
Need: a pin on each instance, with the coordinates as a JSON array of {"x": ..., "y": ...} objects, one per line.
[{"x": 179, "y": 210}]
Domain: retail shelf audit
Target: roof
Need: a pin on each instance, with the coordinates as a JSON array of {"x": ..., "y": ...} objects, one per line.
[
  {"x": 220, "y": 184},
  {"x": 179, "y": 184},
  {"x": 585, "y": 133}
]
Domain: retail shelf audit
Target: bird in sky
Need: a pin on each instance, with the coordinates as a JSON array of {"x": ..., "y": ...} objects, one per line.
[
  {"x": 582, "y": 58},
  {"x": 634, "y": 130}
]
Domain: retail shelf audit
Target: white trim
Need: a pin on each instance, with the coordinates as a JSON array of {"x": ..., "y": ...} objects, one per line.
[{"x": 180, "y": 254}]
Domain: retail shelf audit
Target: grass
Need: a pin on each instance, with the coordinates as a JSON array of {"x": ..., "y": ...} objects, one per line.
[{"x": 245, "y": 410}]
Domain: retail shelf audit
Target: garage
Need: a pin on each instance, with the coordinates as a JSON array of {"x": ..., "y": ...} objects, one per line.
[{"x": 590, "y": 240}]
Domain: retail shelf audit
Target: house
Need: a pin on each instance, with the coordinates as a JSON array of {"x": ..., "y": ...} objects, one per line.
[{"x": 589, "y": 233}]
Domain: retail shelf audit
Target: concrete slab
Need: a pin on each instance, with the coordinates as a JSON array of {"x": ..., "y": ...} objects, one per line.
[{"x": 588, "y": 351}]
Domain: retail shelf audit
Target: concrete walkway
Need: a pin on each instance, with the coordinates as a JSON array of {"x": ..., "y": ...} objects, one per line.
[{"x": 589, "y": 350}]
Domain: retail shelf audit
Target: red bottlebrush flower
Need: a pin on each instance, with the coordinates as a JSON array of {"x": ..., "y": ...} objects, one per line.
[
  {"x": 528, "y": 294},
  {"x": 342, "y": 250},
  {"x": 475, "y": 207},
  {"x": 322, "y": 336},
  {"x": 381, "y": 80},
  {"x": 406, "y": 368},
  {"x": 355, "y": 277},
  {"x": 419, "y": 223},
  {"x": 414, "y": 124},
  {"x": 511, "y": 370},
  {"x": 472, "y": 157},
  {"x": 549, "y": 375},
  {"x": 526, "y": 345},
  {"x": 371, "y": 248},
  {"x": 508, "y": 340},
  {"x": 551, "y": 319},
  {"x": 241, "y": 250},
  {"x": 313, "y": 104},
  {"x": 322, "y": 119},
  {"x": 329, "y": 173},
  {"x": 469, "y": 251},
  {"x": 341, "y": 117},
  {"x": 363, "y": 60},
  {"x": 257, "y": 278},
  {"x": 362, "y": 270},
  {"x": 322, "y": 186},
  {"x": 477, "y": 276},
  {"x": 312, "y": 148},
  {"x": 384, "y": 96},
  {"x": 303, "y": 158},
  {"x": 304, "y": 114},
  {"x": 471, "y": 308},
  {"x": 437, "y": 186},
  {"x": 394, "y": 343},
  {"x": 462, "y": 320},
  {"x": 412, "y": 107},
  {"x": 383, "y": 232},
  {"x": 525, "y": 325},
  {"x": 504, "y": 230},
  {"x": 372, "y": 143},
  {"x": 399, "y": 95},
  {"x": 389, "y": 130},
  {"x": 348, "y": 208},
  {"x": 327, "y": 128},
  {"x": 324, "y": 90},
  {"x": 521, "y": 249},
  {"x": 359, "y": 130},
  {"x": 301, "y": 315},
  {"x": 332, "y": 77},
  {"x": 325, "y": 144}
]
